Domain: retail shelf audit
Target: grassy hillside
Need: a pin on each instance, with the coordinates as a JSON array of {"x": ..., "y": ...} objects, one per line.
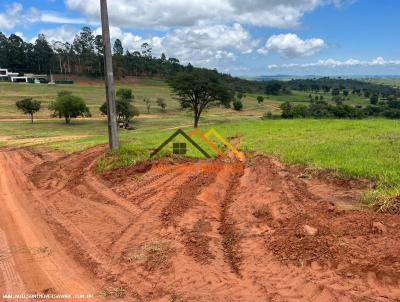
[
  {"x": 94, "y": 95},
  {"x": 353, "y": 148}
]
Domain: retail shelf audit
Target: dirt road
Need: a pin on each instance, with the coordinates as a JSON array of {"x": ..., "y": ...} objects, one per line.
[{"x": 261, "y": 231}]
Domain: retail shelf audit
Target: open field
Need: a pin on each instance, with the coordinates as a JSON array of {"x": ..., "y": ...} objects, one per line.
[
  {"x": 393, "y": 82},
  {"x": 366, "y": 148},
  {"x": 287, "y": 224},
  {"x": 94, "y": 95}
]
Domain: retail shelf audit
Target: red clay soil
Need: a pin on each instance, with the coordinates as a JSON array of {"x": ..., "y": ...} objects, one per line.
[{"x": 259, "y": 231}]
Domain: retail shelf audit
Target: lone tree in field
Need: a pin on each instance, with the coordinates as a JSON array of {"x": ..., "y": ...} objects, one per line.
[
  {"x": 29, "y": 106},
  {"x": 125, "y": 110},
  {"x": 148, "y": 104},
  {"x": 200, "y": 89},
  {"x": 69, "y": 106},
  {"x": 260, "y": 99},
  {"x": 162, "y": 104}
]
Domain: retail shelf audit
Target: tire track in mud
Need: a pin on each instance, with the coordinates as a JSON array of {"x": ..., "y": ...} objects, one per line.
[
  {"x": 228, "y": 230},
  {"x": 10, "y": 280},
  {"x": 185, "y": 198}
]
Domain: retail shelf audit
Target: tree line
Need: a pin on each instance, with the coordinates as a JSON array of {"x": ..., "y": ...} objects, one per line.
[
  {"x": 84, "y": 56},
  {"x": 334, "y": 86},
  {"x": 388, "y": 108}
]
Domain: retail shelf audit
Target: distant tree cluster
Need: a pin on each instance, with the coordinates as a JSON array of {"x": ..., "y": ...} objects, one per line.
[
  {"x": 341, "y": 87},
  {"x": 322, "y": 109}
]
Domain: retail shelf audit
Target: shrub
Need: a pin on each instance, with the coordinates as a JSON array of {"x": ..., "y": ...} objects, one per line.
[
  {"x": 161, "y": 103},
  {"x": 237, "y": 105}
]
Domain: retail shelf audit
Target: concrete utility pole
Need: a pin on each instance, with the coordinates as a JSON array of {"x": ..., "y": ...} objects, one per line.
[{"x": 109, "y": 78}]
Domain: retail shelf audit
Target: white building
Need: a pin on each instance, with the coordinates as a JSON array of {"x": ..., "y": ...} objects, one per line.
[
  {"x": 17, "y": 79},
  {"x": 3, "y": 74}
]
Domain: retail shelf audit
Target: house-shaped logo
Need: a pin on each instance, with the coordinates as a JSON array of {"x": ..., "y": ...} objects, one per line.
[{"x": 181, "y": 148}]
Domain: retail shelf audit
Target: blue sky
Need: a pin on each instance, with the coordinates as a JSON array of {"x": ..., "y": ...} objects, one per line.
[{"x": 241, "y": 37}]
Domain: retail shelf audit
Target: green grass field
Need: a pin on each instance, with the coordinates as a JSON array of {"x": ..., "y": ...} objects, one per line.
[{"x": 353, "y": 148}]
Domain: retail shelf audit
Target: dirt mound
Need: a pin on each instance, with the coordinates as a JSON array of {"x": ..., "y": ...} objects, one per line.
[{"x": 193, "y": 231}]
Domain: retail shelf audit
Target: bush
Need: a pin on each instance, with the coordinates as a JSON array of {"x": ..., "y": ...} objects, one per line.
[
  {"x": 267, "y": 116},
  {"x": 286, "y": 108},
  {"x": 260, "y": 99},
  {"x": 162, "y": 104},
  {"x": 237, "y": 105},
  {"x": 374, "y": 99},
  {"x": 319, "y": 109},
  {"x": 299, "y": 111}
]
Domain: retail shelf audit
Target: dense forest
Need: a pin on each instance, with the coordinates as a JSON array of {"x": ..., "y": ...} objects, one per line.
[{"x": 84, "y": 56}]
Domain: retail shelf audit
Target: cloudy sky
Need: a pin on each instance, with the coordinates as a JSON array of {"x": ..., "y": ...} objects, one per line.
[{"x": 241, "y": 37}]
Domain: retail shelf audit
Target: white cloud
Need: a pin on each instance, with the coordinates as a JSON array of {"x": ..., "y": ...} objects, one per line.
[
  {"x": 332, "y": 63},
  {"x": 15, "y": 15},
  {"x": 200, "y": 45},
  {"x": 203, "y": 45},
  {"x": 179, "y": 13},
  {"x": 291, "y": 46},
  {"x": 63, "y": 34},
  {"x": 8, "y": 19}
]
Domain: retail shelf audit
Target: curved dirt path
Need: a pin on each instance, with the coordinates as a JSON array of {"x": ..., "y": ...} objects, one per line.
[{"x": 190, "y": 231}]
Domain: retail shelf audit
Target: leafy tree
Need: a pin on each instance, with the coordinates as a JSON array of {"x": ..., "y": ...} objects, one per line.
[
  {"x": 326, "y": 88},
  {"x": 260, "y": 99},
  {"x": 273, "y": 88},
  {"x": 162, "y": 104},
  {"x": 125, "y": 94},
  {"x": 199, "y": 90},
  {"x": 99, "y": 49},
  {"x": 336, "y": 92},
  {"x": 345, "y": 92},
  {"x": 374, "y": 99},
  {"x": 237, "y": 105},
  {"x": 69, "y": 106},
  {"x": 148, "y": 104},
  {"x": 16, "y": 55},
  {"x": 29, "y": 106},
  {"x": 319, "y": 109},
  {"x": 299, "y": 111},
  {"x": 3, "y": 49},
  {"x": 43, "y": 52},
  {"x": 240, "y": 96},
  {"x": 286, "y": 108},
  {"x": 125, "y": 110},
  {"x": 338, "y": 100},
  {"x": 118, "y": 49}
]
